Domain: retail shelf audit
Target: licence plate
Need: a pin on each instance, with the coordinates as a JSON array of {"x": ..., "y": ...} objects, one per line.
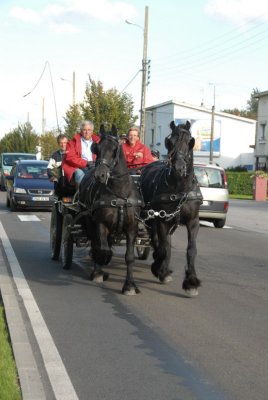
[
  {"x": 40, "y": 198},
  {"x": 206, "y": 203}
]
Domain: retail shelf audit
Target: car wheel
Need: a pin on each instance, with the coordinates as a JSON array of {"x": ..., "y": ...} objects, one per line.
[
  {"x": 7, "y": 202},
  {"x": 219, "y": 223},
  {"x": 66, "y": 242},
  {"x": 13, "y": 206},
  {"x": 55, "y": 232}
]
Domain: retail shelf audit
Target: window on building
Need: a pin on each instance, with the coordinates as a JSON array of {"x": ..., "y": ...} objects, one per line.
[
  {"x": 153, "y": 138},
  {"x": 262, "y": 136}
]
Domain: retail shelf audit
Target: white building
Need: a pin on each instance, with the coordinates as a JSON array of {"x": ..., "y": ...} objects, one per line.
[
  {"x": 261, "y": 143},
  {"x": 233, "y": 135}
]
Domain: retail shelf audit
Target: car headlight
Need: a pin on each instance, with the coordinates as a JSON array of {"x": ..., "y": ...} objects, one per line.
[{"x": 19, "y": 190}]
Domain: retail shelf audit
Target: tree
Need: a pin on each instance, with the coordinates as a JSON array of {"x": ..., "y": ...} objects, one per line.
[
  {"x": 22, "y": 139},
  {"x": 251, "y": 109},
  {"x": 108, "y": 107},
  {"x": 48, "y": 143},
  {"x": 73, "y": 118},
  {"x": 252, "y": 104}
]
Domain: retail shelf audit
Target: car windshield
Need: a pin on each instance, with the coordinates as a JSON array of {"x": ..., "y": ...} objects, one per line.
[
  {"x": 32, "y": 171},
  {"x": 209, "y": 177},
  {"x": 10, "y": 159}
]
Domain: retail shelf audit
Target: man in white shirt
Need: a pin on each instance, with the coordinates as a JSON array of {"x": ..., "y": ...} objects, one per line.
[{"x": 78, "y": 155}]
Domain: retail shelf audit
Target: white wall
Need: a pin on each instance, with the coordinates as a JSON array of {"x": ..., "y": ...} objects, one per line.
[{"x": 236, "y": 134}]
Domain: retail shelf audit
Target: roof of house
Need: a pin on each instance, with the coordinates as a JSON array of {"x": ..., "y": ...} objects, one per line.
[
  {"x": 200, "y": 108},
  {"x": 261, "y": 94}
]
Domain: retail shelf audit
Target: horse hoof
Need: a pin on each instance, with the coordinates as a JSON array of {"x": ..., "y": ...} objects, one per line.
[
  {"x": 131, "y": 292},
  {"x": 99, "y": 277},
  {"x": 192, "y": 292},
  {"x": 167, "y": 279}
]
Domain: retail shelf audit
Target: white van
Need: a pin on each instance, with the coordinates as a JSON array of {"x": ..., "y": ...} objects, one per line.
[{"x": 213, "y": 185}]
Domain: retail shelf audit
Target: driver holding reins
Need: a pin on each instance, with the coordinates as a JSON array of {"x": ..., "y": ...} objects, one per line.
[{"x": 137, "y": 154}]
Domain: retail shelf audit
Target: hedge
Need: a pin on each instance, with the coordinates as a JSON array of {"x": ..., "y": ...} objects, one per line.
[{"x": 239, "y": 182}]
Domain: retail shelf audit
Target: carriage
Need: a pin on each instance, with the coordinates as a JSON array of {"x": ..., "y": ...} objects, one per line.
[
  {"x": 67, "y": 227},
  {"x": 111, "y": 206}
]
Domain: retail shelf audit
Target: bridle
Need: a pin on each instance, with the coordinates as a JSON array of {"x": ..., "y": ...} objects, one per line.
[
  {"x": 175, "y": 154},
  {"x": 102, "y": 161}
]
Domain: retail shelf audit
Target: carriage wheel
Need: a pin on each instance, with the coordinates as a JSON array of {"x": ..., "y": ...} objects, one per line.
[
  {"x": 7, "y": 202},
  {"x": 143, "y": 252},
  {"x": 55, "y": 232},
  {"x": 66, "y": 242}
]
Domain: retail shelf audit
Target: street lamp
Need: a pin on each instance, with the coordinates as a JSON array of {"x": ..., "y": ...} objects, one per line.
[
  {"x": 212, "y": 127},
  {"x": 73, "y": 83},
  {"x": 144, "y": 72}
]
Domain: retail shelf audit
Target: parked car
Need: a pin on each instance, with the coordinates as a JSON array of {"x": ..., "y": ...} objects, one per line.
[
  {"x": 213, "y": 185},
  {"x": 7, "y": 160},
  {"x": 28, "y": 186}
]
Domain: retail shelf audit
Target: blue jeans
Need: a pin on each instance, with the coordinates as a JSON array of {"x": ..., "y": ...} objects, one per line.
[{"x": 78, "y": 175}]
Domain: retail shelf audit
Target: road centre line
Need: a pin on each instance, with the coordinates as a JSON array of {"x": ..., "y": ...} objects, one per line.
[
  {"x": 27, "y": 218},
  {"x": 58, "y": 376}
]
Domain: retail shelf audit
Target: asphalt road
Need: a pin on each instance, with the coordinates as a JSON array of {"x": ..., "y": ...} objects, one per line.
[{"x": 158, "y": 344}]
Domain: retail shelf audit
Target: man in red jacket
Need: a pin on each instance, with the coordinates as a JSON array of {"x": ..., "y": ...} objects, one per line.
[
  {"x": 78, "y": 155},
  {"x": 137, "y": 154}
]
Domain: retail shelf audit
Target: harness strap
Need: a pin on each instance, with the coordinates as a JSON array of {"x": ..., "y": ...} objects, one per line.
[{"x": 175, "y": 197}]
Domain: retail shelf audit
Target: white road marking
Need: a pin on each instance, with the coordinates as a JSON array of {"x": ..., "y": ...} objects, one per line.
[
  {"x": 28, "y": 218},
  {"x": 58, "y": 376},
  {"x": 210, "y": 224}
]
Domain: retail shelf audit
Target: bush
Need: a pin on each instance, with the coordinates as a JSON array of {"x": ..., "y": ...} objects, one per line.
[{"x": 239, "y": 182}]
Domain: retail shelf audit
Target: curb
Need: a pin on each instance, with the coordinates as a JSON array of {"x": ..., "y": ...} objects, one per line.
[{"x": 29, "y": 376}]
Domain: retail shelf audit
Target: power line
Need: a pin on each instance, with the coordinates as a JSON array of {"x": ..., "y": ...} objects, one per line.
[
  {"x": 132, "y": 79},
  {"x": 222, "y": 55},
  {"x": 201, "y": 48},
  {"x": 52, "y": 86}
]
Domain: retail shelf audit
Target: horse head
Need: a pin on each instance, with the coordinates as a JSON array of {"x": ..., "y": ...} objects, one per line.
[
  {"x": 179, "y": 145},
  {"x": 107, "y": 154}
]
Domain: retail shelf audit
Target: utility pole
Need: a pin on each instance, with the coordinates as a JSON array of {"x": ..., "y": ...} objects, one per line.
[
  {"x": 43, "y": 115},
  {"x": 144, "y": 76},
  {"x": 212, "y": 129},
  {"x": 73, "y": 88}
]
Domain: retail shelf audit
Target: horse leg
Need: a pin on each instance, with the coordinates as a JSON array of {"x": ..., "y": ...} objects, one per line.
[
  {"x": 191, "y": 282},
  {"x": 101, "y": 253},
  {"x": 130, "y": 287},
  {"x": 162, "y": 250}
]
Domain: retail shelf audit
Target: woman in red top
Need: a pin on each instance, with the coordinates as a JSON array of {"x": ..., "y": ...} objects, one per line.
[{"x": 137, "y": 154}]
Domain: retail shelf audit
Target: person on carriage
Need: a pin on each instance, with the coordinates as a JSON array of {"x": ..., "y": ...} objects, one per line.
[
  {"x": 56, "y": 158},
  {"x": 78, "y": 155},
  {"x": 136, "y": 153}
]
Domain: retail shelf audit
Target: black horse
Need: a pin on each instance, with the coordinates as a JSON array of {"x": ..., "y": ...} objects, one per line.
[
  {"x": 172, "y": 197},
  {"x": 113, "y": 204}
]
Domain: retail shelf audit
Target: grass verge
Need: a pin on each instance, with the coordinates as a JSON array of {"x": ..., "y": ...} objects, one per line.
[
  {"x": 241, "y": 196},
  {"x": 9, "y": 385}
]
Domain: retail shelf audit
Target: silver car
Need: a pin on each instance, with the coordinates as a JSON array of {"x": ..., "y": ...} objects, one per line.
[{"x": 213, "y": 185}]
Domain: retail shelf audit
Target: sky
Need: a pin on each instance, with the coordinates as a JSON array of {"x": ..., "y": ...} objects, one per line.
[{"x": 197, "y": 48}]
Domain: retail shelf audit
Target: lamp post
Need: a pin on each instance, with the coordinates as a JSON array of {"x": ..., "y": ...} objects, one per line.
[
  {"x": 73, "y": 85},
  {"x": 212, "y": 127},
  {"x": 144, "y": 73}
]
